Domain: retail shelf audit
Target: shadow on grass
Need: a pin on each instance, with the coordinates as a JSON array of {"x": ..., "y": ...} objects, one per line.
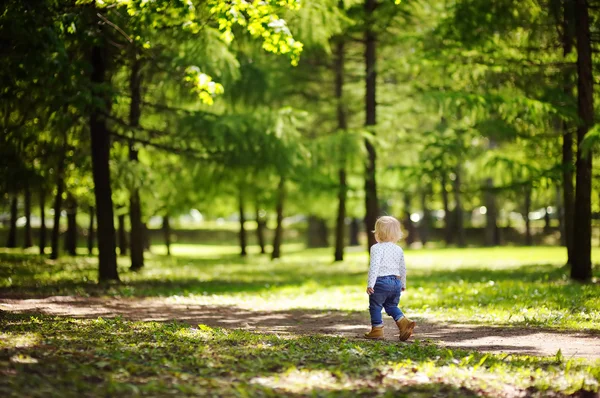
[
  {"x": 476, "y": 290},
  {"x": 54, "y": 356},
  {"x": 300, "y": 322}
]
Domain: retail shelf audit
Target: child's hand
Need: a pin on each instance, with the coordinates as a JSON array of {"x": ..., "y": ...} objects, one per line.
[
  {"x": 370, "y": 291},
  {"x": 403, "y": 289}
]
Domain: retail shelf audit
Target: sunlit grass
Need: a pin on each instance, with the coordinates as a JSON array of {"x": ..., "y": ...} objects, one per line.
[
  {"x": 115, "y": 357},
  {"x": 502, "y": 286}
]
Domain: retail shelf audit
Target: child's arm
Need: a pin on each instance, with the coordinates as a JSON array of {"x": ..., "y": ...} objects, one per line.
[
  {"x": 403, "y": 271},
  {"x": 374, "y": 266}
]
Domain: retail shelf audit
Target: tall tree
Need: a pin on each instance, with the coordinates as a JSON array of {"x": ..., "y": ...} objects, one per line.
[
  {"x": 100, "y": 139},
  {"x": 581, "y": 268},
  {"x": 371, "y": 201},
  {"x": 342, "y": 125},
  {"x": 568, "y": 213}
]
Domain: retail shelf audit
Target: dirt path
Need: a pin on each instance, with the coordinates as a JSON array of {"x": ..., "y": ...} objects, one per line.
[{"x": 483, "y": 338}]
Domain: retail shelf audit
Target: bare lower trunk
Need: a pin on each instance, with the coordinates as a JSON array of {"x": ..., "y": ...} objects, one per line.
[
  {"x": 43, "y": 221},
  {"x": 261, "y": 224},
  {"x": 27, "y": 239},
  {"x": 12, "y": 232},
  {"x": 546, "y": 220},
  {"x": 243, "y": 239},
  {"x": 136, "y": 237},
  {"x": 317, "y": 232},
  {"x": 166, "y": 227},
  {"x": 340, "y": 225},
  {"x": 60, "y": 184},
  {"x": 279, "y": 229}
]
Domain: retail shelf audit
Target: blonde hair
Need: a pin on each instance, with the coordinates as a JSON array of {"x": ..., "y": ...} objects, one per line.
[{"x": 387, "y": 229}]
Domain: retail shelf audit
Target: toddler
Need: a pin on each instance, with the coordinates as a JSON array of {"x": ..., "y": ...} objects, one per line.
[{"x": 387, "y": 279}]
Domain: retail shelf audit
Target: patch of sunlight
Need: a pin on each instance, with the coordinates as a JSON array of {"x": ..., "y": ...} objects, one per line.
[
  {"x": 199, "y": 251},
  {"x": 25, "y": 340},
  {"x": 302, "y": 381},
  {"x": 21, "y": 358}
]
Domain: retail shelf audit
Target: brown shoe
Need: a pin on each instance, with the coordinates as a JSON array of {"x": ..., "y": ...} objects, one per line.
[
  {"x": 406, "y": 327},
  {"x": 376, "y": 333}
]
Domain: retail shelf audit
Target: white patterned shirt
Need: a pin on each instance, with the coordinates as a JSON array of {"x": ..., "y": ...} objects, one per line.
[{"x": 387, "y": 258}]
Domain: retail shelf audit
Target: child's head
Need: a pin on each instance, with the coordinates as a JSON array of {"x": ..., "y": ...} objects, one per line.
[{"x": 387, "y": 229}]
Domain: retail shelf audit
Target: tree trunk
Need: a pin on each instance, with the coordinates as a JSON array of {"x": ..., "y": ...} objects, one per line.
[
  {"x": 43, "y": 221},
  {"x": 277, "y": 239},
  {"x": 71, "y": 234},
  {"x": 60, "y": 186},
  {"x": 100, "y": 140},
  {"x": 371, "y": 202},
  {"x": 135, "y": 206},
  {"x": 123, "y": 244},
  {"x": 166, "y": 227},
  {"x": 581, "y": 267},
  {"x": 491, "y": 215},
  {"x": 27, "y": 239},
  {"x": 568, "y": 213},
  {"x": 546, "y": 220},
  {"x": 317, "y": 232},
  {"x": 243, "y": 240},
  {"x": 342, "y": 124},
  {"x": 340, "y": 225},
  {"x": 261, "y": 224},
  {"x": 528, "y": 237},
  {"x": 91, "y": 232},
  {"x": 448, "y": 235},
  {"x": 354, "y": 232},
  {"x": 458, "y": 210},
  {"x": 12, "y": 232}
]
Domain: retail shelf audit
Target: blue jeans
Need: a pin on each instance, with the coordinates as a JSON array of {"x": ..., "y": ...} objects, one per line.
[{"x": 387, "y": 296}]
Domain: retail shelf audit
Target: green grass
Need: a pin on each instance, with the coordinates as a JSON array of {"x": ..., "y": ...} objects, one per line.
[
  {"x": 55, "y": 356},
  {"x": 500, "y": 286},
  {"x": 62, "y": 356}
]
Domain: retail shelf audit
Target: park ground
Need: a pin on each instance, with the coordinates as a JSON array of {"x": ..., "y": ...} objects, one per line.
[{"x": 491, "y": 322}]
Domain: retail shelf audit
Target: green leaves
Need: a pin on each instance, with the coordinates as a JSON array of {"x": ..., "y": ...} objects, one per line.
[
  {"x": 259, "y": 18},
  {"x": 202, "y": 85}
]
